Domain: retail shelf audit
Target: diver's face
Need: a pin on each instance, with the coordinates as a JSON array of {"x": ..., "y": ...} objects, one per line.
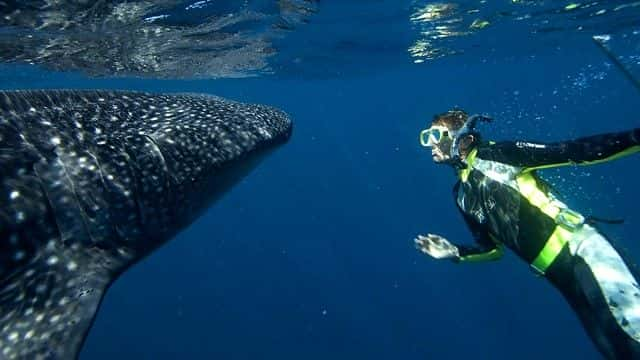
[
  {"x": 438, "y": 138},
  {"x": 441, "y": 151}
]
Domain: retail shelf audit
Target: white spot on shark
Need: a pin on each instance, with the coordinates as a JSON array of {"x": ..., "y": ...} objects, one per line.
[{"x": 13, "y": 337}]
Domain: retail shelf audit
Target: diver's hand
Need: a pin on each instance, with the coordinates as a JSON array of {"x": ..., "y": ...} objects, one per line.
[{"x": 437, "y": 247}]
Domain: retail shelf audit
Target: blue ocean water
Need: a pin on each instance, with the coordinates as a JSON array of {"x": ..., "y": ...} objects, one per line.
[{"x": 311, "y": 256}]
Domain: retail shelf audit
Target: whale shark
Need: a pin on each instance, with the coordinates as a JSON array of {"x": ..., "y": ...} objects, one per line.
[{"x": 92, "y": 181}]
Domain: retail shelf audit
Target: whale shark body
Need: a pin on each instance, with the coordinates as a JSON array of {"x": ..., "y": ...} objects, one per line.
[{"x": 91, "y": 182}]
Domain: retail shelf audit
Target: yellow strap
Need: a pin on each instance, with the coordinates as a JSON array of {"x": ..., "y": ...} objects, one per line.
[
  {"x": 529, "y": 189},
  {"x": 552, "y": 248},
  {"x": 464, "y": 173},
  {"x": 560, "y": 236}
]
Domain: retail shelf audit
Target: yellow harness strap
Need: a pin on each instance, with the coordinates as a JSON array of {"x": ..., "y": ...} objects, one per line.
[
  {"x": 567, "y": 221},
  {"x": 552, "y": 248},
  {"x": 470, "y": 159}
]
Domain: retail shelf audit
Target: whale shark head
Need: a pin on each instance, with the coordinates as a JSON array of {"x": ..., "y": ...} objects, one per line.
[{"x": 93, "y": 181}]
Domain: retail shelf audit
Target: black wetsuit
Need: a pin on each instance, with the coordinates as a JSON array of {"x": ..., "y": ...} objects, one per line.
[{"x": 504, "y": 202}]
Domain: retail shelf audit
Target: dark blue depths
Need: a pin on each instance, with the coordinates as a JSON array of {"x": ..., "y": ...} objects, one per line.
[{"x": 311, "y": 256}]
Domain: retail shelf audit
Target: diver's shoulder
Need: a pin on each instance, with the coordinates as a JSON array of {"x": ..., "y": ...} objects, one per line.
[
  {"x": 488, "y": 146},
  {"x": 494, "y": 149}
]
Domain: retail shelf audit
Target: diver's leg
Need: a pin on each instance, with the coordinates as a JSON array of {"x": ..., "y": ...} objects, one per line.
[
  {"x": 606, "y": 295},
  {"x": 575, "y": 281},
  {"x": 591, "y": 307}
]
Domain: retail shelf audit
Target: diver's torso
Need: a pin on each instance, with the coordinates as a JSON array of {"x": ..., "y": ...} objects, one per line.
[{"x": 490, "y": 194}]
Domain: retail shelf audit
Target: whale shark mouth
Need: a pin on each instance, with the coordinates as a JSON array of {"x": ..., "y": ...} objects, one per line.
[{"x": 91, "y": 182}]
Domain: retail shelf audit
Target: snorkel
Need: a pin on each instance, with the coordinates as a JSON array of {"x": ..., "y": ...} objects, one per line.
[{"x": 469, "y": 128}]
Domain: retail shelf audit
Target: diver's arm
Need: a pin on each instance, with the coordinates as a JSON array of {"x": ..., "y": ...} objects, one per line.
[
  {"x": 484, "y": 248},
  {"x": 582, "y": 151},
  {"x": 479, "y": 254},
  {"x": 440, "y": 248}
]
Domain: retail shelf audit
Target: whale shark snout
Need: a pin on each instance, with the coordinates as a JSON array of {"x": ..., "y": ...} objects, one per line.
[{"x": 93, "y": 181}]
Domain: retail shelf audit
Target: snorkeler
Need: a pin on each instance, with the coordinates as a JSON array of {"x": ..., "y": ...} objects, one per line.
[{"x": 505, "y": 203}]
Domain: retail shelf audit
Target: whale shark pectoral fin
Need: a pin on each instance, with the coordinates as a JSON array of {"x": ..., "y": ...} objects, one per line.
[{"x": 48, "y": 306}]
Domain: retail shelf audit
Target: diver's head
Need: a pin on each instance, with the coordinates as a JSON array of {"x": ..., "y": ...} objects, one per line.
[{"x": 450, "y": 137}]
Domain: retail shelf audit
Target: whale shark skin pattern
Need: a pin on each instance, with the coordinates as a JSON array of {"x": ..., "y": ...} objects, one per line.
[{"x": 91, "y": 182}]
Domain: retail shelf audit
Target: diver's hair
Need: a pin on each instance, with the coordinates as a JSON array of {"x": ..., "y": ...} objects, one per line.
[{"x": 453, "y": 119}]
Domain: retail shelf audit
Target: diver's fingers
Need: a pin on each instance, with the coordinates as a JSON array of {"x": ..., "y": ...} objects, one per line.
[
  {"x": 429, "y": 240},
  {"x": 437, "y": 239},
  {"x": 425, "y": 241},
  {"x": 428, "y": 247},
  {"x": 421, "y": 242},
  {"x": 435, "y": 246},
  {"x": 421, "y": 239}
]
